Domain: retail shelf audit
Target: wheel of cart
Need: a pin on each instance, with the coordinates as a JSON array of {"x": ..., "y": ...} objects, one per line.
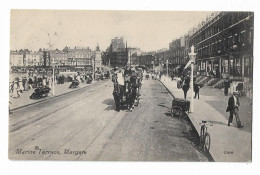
[
  {"x": 176, "y": 111},
  {"x": 180, "y": 107}
]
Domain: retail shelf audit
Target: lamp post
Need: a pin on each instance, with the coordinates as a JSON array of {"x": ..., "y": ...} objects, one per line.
[
  {"x": 53, "y": 77},
  {"x": 192, "y": 56},
  {"x": 94, "y": 69},
  {"x": 167, "y": 64}
]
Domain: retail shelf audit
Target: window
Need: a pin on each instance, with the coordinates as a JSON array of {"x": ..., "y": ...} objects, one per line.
[
  {"x": 231, "y": 66},
  {"x": 247, "y": 66},
  {"x": 237, "y": 67},
  {"x": 225, "y": 66}
]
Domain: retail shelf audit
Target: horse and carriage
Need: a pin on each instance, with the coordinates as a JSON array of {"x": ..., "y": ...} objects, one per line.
[{"x": 126, "y": 91}]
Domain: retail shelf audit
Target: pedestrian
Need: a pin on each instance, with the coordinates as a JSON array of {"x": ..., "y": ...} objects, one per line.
[
  {"x": 26, "y": 85},
  {"x": 226, "y": 86},
  {"x": 21, "y": 87},
  {"x": 233, "y": 108},
  {"x": 30, "y": 83},
  {"x": 197, "y": 90},
  {"x": 186, "y": 85},
  {"x": 23, "y": 82},
  {"x": 16, "y": 90}
]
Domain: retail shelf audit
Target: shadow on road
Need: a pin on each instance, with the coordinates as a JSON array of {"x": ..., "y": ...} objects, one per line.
[
  {"x": 111, "y": 104},
  {"x": 189, "y": 132},
  {"x": 162, "y": 105}
]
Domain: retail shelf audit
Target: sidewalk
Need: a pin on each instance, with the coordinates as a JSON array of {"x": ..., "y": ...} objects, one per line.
[
  {"x": 24, "y": 99},
  {"x": 228, "y": 143}
]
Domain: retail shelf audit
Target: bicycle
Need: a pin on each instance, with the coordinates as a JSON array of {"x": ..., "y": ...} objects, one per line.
[{"x": 204, "y": 136}]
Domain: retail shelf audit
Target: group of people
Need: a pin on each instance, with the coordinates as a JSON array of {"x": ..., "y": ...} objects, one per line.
[
  {"x": 233, "y": 101},
  {"x": 184, "y": 84},
  {"x": 24, "y": 84}
]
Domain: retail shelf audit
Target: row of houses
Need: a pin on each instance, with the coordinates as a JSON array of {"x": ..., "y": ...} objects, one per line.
[
  {"x": 77, "y": 56},
  {"x": 223, "y": 43}
]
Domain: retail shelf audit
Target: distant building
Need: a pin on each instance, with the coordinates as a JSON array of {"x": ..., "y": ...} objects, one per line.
[
  {"x": 16, "y": 59},
  {"x": 32, "y": 59},
  {"x": 98, "y": 60},
  {"x": 117, "y": 44},
  {"x": 117, "y": 54},
  {"x": 79, "y": 56}
]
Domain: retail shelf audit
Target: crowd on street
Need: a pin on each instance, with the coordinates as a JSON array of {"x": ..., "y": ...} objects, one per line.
[{"x": 25, "y": 82}]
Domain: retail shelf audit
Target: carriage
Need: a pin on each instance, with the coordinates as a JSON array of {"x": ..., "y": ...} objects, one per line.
[
  {"x": 40, "y": 92},
  {"x": 127, "y": 94},
  {"x": 74, "y": 84}
]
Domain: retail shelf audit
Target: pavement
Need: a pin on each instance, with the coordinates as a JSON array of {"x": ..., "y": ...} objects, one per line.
[
  {"x": 228, "y": 143},
  {"x": 59, "y": 89},
  {"x": 84, "y": 125}
]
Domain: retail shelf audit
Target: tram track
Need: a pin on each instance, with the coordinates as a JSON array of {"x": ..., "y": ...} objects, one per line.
[{"x": 38, "y": 115}]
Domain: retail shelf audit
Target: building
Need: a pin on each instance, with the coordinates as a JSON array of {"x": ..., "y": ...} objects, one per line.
[
  {"x": 78, "y": 56},
  {"x": 117, "y": 44},
  {"x": 133, "y": 51},
  {"x": 32, "y": 59},
  {"x": 16, "y": 59},
  {"x": 98, "y": 59},
  {"x": 116, "y": 54},
  {"x": 224, "y": 45}
]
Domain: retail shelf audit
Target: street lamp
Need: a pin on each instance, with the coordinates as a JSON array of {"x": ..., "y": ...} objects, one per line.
[
  {"x": 53, "y": 78},
  {"x": 167, "y": 64},
  {"x": 192, "y": 56},
  {"x": 94, "y": 69}
]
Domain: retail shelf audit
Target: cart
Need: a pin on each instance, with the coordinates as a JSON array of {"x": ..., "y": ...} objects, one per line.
[{"x": 180, "y": 107}]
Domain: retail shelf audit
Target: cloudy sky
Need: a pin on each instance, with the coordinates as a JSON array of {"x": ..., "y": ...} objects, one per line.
[{"x": 148, "y": 30}]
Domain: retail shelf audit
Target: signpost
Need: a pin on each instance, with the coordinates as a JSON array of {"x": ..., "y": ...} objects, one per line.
[{"x": 192, "y": 56}]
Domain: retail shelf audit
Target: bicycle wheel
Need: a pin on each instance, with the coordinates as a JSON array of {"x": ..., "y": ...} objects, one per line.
[
  {"x": 202, "y": 134},
  {"x": 206, "y": 142}
]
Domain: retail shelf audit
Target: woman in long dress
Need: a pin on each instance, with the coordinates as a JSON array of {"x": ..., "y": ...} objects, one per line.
[
  {"x": 26, "y": 85},
  {"x": 21, "y": 88},
  {"x": 16, "y": 90}
]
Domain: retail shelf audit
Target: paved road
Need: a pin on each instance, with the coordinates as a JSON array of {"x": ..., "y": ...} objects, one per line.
[{"x": 84, "y": 125}]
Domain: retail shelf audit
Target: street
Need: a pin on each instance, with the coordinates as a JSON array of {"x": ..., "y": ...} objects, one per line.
[{"x": 83, "y": 125}]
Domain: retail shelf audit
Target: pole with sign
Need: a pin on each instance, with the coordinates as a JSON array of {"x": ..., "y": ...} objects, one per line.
[{"x": 192, "y": 56}]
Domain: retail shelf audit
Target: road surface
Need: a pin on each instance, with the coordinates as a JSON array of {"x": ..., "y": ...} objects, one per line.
[{"x": 84, "y": 125}]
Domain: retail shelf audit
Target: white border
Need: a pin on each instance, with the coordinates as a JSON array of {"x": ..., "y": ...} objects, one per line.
[{"x": 67, "y": 167}]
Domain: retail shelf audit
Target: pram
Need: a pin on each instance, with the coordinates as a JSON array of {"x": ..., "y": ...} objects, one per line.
[{"x": 40, "y": 92}]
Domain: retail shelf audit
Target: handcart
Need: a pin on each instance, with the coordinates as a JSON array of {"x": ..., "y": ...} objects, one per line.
[{"x": 180, "y": 107}]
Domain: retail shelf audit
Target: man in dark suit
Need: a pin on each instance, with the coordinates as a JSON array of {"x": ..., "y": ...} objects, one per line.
[
  {"x": 186, "y": 85},
  {"x": 196, "y": 88},
  {"x": 226, "y": 86},
  {"x": 233, "y": 105}
]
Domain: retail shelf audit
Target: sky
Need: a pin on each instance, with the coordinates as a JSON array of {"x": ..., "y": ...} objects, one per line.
[{"x": 147, "y": 30}]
